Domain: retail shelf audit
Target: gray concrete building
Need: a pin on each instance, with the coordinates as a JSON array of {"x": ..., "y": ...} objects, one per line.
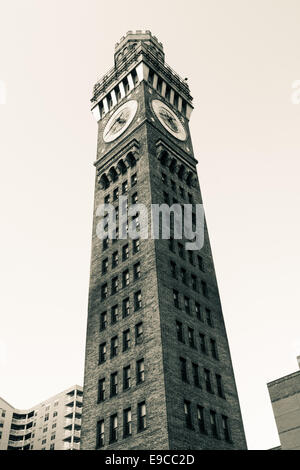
[
  {"x": 54, "y": 424},
  {"x": 285, "y": 399},
  {"x": 158, "y": 371}
]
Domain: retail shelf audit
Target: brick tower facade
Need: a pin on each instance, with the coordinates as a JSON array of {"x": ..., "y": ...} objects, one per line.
[{"x": 158, "y": 372}]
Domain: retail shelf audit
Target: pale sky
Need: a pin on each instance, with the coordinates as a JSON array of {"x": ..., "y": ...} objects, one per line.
[{"x": 241, "y": 58}]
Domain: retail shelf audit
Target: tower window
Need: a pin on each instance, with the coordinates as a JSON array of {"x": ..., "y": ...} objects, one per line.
[
  {"x": 135, "y": 77},
  {"x": 114, "y": 314},
  {"x": 207, "y": 378},
  {"x": 101, "y": 390},
  {"x": 150, "y": 76},
  {"x": 159, "y": 85},
  {"x": 114, "y": 428},
  {"x": 213, "y": 423},
  {"x": 209, "y": 317},
  {"x": 191, "y": 257},
  {"x": 200, "y": 263},
  {"x": 220, "y": 387},
  {"x": 181, "y": 191},
  {"x": 107, "y": 199},
  {"x": 196, "y": 380},
  {"x": 103, "y": 321},
  {"x": 183, "y": 370},
  {"x": 194, "y": 283},
  {"x": 176, "y": 298},
  {"x": 126, "y": 340},
  {"x": 125, "y": 277},
  {"x": 137, "y": 271},
  {"x": 102, "y": 353},
  {"x": 137, "y": 300},
  {"x": 104, "y": 291},
  {"x": 187, "y": 305},
  {"x": 116, "y": 194},
  {"x": 127, "y": 422},
  {"x": 104, "y": 266},
  {"x": 168, "y": 93},
  {"x": 188, "y": 414},
  {"x": 126, "y": 307},
  {"x": 141, "y": 413},
  {"x": 202, "y": 343},
  {"x": 191, "y": 338},
  {"x": 204, "y": 289},
  {"x": 164, "y": 178},
  {"x": 124, "y": 187},
  {"x": 140, "y": 371},
  {"x": 213, "y": 348},
  {"x": 105, "y": 244},
  {"x": 173, "y": 186},
  {"x": 100, "y": 434},
  {"x": 179, "y": 330},
  {"x": 115, "y": 259},
  {"x": 201, "y": 419},
  {"x": 126, "y": 85},
  {"x": 114, "y": 384},
  {"x": 139, "y": 333},
  {"x": 198, "y": 311},
  {"x": 134, "y": 179},
  {"x": 136, "y": 245},
  {"x": 183, "y": 107},
  {"x": 114, "y": 346},
  {"x": 126, "y": 378},
  {"x": 125, "y": 252},
  {"x": 183, "y": 276},
  {"x": 226, "y": 429},
  {"x": 114, "y": 285},
  {"x": 176, "y": 100},
  {"x": 134, "y": 198},
  {"x": 173, "y": 269}
]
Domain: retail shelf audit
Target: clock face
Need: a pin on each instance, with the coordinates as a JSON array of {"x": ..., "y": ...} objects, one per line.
[
  {"x": 168, "y": 119},
  {"x": 119, "y": 121}
]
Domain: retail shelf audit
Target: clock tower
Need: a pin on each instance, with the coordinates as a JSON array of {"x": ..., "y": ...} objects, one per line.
[{"x": 158, "y": 371}]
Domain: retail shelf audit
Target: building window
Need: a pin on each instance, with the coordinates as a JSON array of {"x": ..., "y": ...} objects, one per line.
[
  {"x": 100, "y": 434},
  {"x": 103, "y": 321},
  {"x": 126, "y": 307},
  {"x": 226, "y": 429},
  {"x": 198, "y": 311},
  {"x": 114, "y": 314},
  {"x": 196, "y": 374},
  {"x": 207, "y": 379},
  {"x": 202, "y": 343},
  {"x": 114, "y": 347},
  {"x": 105, "y": 244},
  {"x": 188, "y": 414},
  {"x": 116, "y": 194},
  {"x": 220, "y": 387},
  {"x": 204, "y": 289},
  {"x": 173, "y": 186},
  {"x": 213, "y": 423},
  {"x": 52, "y": 446},
  {"x": 104, "y": 291},
  {"x": 44, "y": 441},
  {"x": 127, "y": 422},
  {"x": 164, "y": 178},
  {"x": 137, "y": 300},
  {"x": 141, "y": 414},
  {"x": 114, "y": 384},
  {"x": 181, "y": 191},
  {"x": 102, "y": 353},
  {"x": 114, "y": 428},
  {"x": 125, "y": 252},
  {"x": 140, "y": 371},
  {"x": 107, "y": 199},
  {"x": 213, "y": 348},
  {"x": 134, "y": 198},
  {"x": 139, "y": 333},
  {"x": 114, "y": 285},
  {"x": 209, "y": 317},
  {"x": 200, "y": 263},
  {"x": 104, "y": 266},
  {"x": 136, "y": 245},
  {"x": 201, "y": 420},
  {"x": 173, "y": 269},
  {"x": 126, "y": 340},
  {"x": 191, "y": 338},
  {"x": 124, "y": 187},
  {"x": 137, "y": 271},
  {"x": 194, "y": 283},
  {"x": 126, "y": 378},
  {"x": 191, "y": 257},
  {"x": 166, "y": 197},
  {"x": 115, "y": 259},
  {"x": 52, "y": 437},
  {"x": 181, "y": 250},
  {"x": 179, "y": 330},
  {"x": 55, "y": 414},
  {"x": 176, "y": 298},
  {"x": 183, "y": 370},
  {"x": 187, "y": 305},
  {"x": 125, "y": 278},
  {"x": 183, "y": 276},
  {"x": 133, "y": 179}
]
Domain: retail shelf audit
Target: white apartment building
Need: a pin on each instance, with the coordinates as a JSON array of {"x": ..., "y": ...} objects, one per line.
[{"x": 54, "y": 424}]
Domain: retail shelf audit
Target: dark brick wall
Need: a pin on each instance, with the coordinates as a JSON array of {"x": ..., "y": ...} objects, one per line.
[{"x": 163, "y": 389}]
